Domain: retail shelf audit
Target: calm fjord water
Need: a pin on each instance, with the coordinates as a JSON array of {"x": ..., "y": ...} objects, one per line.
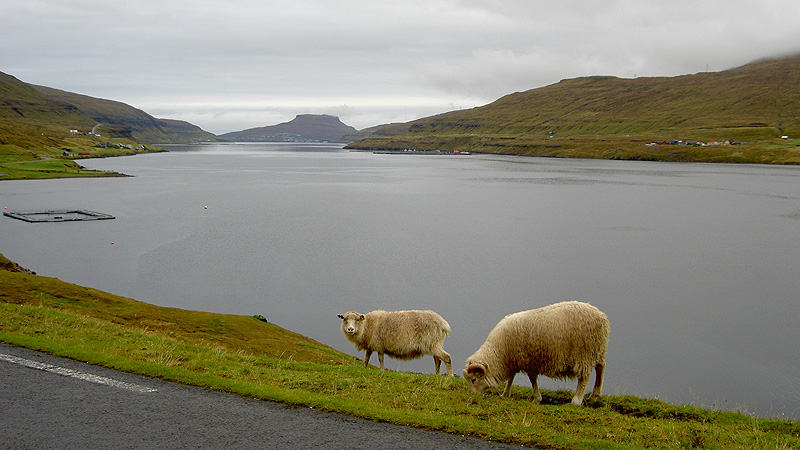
[{"x": 696, "y": 265}]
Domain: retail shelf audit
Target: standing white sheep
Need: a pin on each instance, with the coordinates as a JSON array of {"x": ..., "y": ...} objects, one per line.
[
  {"x": 563, "y": 340},
  {"x": 399, "y": 334}
]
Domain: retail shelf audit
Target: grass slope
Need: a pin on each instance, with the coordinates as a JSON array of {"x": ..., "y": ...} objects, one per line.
[
  {"x": 243, "y": 355},
  {"x": 610, "y": 117}
]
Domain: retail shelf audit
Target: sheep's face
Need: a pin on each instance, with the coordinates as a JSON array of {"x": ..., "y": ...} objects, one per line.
[
  {"x": 475, "y": 374},
  {"x": 351, "y": 322}
]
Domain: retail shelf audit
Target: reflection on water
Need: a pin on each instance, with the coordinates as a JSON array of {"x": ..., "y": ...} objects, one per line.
[{"x": 695, "y": 264}]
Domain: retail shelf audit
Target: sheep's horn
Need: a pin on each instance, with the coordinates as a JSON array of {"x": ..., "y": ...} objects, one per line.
[{"x": 477, "y": 368}]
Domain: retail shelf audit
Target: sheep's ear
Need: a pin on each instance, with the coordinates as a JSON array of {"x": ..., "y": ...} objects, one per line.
[
  {"x": 340, "y": 316},
  {"x": 361, "y": 317},
  {"x": 477, "y": 369}
]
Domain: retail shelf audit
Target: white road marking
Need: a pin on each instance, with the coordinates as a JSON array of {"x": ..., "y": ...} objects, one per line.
[{"x": 75, "y": 374}]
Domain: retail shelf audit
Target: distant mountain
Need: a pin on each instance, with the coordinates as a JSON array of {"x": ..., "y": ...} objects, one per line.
[
  {"x": 304, "y": 127},
  {"x": 756, "y": 102},
  {"x": 54, "y": 113}
]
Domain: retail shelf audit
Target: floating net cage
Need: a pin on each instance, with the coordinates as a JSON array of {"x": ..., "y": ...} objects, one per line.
[{"x": 57, "y": 215}]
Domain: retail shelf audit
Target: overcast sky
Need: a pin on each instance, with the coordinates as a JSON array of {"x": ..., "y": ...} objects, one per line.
[{"x": 228, "y": 65}]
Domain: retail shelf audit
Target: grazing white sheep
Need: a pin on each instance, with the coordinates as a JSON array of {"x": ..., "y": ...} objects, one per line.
[
  {"x": 399, "y": 334},
  {"x": 563, "y": 340}
]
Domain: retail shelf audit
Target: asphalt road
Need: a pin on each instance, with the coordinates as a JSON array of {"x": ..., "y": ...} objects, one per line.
[{"x": 55, "y": 403}]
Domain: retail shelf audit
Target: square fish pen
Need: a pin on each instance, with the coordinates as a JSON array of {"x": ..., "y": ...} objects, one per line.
[{"x": 57, "y": 215}]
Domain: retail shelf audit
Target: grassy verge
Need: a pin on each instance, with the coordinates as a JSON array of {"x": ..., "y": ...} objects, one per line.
[{"x": 246, "y": 356}]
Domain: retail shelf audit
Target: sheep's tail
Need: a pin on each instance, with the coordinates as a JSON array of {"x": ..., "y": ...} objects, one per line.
[{"x": 445, "y": 328}]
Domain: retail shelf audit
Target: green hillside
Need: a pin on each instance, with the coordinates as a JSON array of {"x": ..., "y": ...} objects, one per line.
[
  {"x": 121, "y": 120},
  {"x": 43, "y": 129},
  {"x": 25, "y": 108},
  {"x": 608, "y": 117}
]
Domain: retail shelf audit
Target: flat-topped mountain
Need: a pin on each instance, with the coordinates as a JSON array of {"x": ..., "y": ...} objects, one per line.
[{"x": 303, "y": 128}]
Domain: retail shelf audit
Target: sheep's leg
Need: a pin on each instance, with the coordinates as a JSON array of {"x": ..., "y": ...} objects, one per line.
[
  {"x": 507, "y": 390},
  {"x": 366, "y": 358},
  {"x": 578, "y": 398},
  {"x": 380, "y": 358},
  {"x": 448, "y": 363},
  {"x": 537, "y": 396},
  {"x": 598, "y": 380},
  {"x": 443, "y": 356}
]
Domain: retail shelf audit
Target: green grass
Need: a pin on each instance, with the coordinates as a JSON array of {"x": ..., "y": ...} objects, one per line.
[
  {"x": 37, "y": 152},
  {"x": 249, "y": 357}
]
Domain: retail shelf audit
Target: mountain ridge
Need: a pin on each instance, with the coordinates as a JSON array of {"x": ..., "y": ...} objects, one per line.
[
  {"x": 30, "y": 112},
  {"x": 755, "y": 103},
  {"x": 123, "y": 120}
]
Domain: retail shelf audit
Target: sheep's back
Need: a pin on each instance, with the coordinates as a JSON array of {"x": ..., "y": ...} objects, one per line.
[
  {"x": 563, "y": 340},
  {"x": 405, "y": 334}
]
